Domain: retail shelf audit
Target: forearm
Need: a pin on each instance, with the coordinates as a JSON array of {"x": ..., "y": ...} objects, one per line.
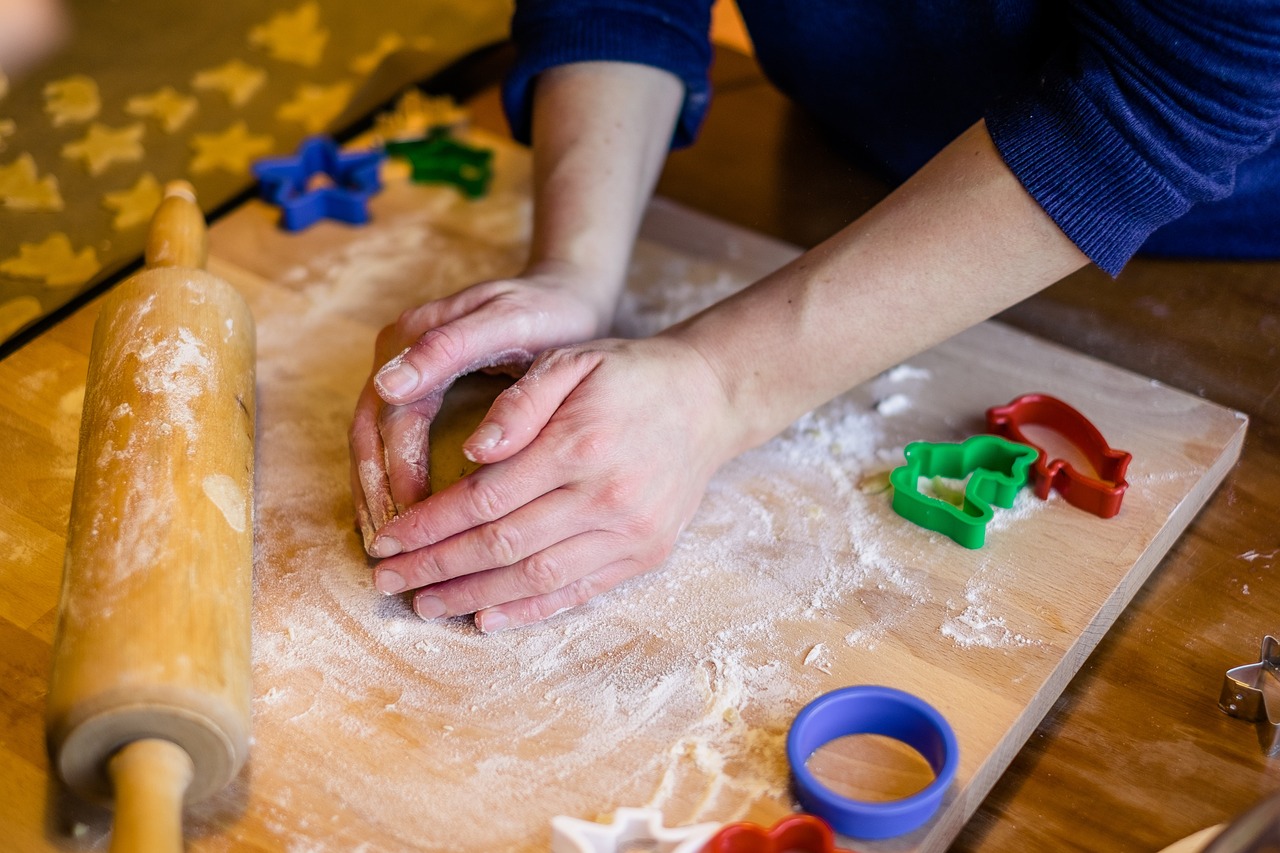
[
  {"x": 601, "y": 131},
  {"x": 958, "y": 242}
]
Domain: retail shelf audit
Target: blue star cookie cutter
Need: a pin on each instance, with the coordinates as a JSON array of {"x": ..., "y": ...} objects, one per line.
[{"x": 320, "y": 182}]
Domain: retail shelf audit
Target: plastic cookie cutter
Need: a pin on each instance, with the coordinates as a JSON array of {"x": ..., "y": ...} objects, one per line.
[
  {"x": 631, "y": 830},
  {"x": 996, "y": 467},
  {"x": 320, "y": 182},
  {"x": 439, "y": 158},
  {"x": 1245, "y": 692},
  {"x": 880, "y": 711},
  {"x": 800, "y": 833},
  {"x": 1100, "y": 494}
]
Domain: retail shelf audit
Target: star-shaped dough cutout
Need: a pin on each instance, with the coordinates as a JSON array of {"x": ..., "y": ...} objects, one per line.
[
  {"x": 388, "y": 43},
  {"x": 102, "y": 146},
  {"x": 239, "y": 81},
  {"x": 232, "y": 150},
  {"x": 293, "y": 36},
  {"x": 53, "y": 261},
  {"x": 631, "y": 829},
  {"x": 135, "y": 205},
  {"x": 72, "y": 100},
  {"x": 21, "y": 188},
  {"x": 315, "y": 106},
  {"x": 167, "y": 106}
]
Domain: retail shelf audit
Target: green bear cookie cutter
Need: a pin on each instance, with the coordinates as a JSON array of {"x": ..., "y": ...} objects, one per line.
[{"x": 996, "y": 467}]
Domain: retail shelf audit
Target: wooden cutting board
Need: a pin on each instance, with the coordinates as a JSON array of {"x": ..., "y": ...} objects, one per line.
[{"x": 377, "y": 731}]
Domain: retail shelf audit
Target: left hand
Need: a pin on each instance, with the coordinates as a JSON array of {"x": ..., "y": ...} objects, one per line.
[{"x": 594, "y": 462}]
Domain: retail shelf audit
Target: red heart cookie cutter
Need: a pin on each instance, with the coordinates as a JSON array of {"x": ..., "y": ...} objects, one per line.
[{"x": 801, "y": 833}]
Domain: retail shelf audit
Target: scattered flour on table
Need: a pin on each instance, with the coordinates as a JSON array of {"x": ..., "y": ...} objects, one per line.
[{"x": 674, "y": 690}]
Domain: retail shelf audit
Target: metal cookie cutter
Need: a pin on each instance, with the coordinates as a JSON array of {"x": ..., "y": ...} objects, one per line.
[
  {"x": 799, "y": 833},
  {"x": 997, "y": 469},
  {"x": 1100, "y": 495},
  {"x": 631, "y": 829},
  {"x": 1245, "y": 690},
  {"x": 320, "y": 182}
]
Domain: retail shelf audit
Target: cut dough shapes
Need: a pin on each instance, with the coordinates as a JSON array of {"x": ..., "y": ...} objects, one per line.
[
  {"x": 135, "y": 205},
  {"x": 233, "y": 150},
  {"x": 21, "y": 188},
  {"x": 103, "y": 146},
  {"x": 17, "y": 313},
  {"x": 237, "y": 80},
  {"x": 293, "y": 36},
  {"x": 315, "y": 106},
  {"x": 72, "y": 100},
  {"x": 53, "y": 261},
  {"x": 416, "y": 114},
  {"x": 166, "y": 106}
]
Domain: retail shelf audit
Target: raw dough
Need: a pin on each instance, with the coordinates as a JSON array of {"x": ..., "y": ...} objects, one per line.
[
  {"x": 22, "y": 189},
  {"x": 72, "y": 100},
  {"x": 293, "y": 36},
  {"x": 315, "y": 106},
  {"x": 388, "y": 43},
  {"x": 135, "y": 205},
  {"x": 102, "y": 146},
  {"x": 166, "y": 106},
  {"x": 232, "y": 150},
  {"x": 416, "y": 113},
  {"x": 237, "y": 80},
  {"x": 53, "y": 262},
  {"x": 17, "y": 313}
]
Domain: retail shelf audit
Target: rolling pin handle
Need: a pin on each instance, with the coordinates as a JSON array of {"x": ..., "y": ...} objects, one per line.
[
  {"x": 150, "y": 778},
  {"x": 178, "y": 236}
]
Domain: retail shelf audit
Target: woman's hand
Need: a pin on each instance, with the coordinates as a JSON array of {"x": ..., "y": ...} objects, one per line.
[
  {"x": 594, "y": 461},
  {"x": 493, "y": 325}
]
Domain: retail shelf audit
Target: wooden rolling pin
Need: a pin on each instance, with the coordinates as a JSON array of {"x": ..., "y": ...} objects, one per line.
[{"x": 150, "y": 690}]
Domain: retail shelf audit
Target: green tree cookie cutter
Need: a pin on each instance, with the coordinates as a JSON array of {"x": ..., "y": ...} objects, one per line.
[{"x": 996, "y": 467}]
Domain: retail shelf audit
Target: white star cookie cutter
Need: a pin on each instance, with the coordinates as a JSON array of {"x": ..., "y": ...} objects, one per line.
[{"x": 630, "y": 827}]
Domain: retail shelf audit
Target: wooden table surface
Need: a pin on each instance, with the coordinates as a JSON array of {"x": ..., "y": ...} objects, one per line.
[{"x": 1136, "y": 754}]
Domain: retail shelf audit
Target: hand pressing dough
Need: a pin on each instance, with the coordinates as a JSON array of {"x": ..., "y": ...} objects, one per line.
[
  {"x": 72, "y": 100},
  {"x": 17, "y": 313},
  {"x": 135, "y": 205},
  {"x": 315, "y": 106},
  {"x": 53, "y": 261},
  {"x": 237, "y": 80},
  {"x": 232, "y": 150},
  {"x": 293, "y": 36},
  {"x": 21, "y": 188},
  {"x": 166, "y": 106},
  {"x": 103, "y": 146}
]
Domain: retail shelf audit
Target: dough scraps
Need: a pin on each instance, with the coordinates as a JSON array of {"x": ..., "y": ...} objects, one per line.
[
  {"x": 22, "y": 189},
  {"x": 232, "y": 150},
  {"x": 293, "y": 36},
  {"x": 315, "y": 106},
  {"x": 166, "y": 106},
  {"x": 416, "y": 114},
  {"x": 102, "y": 146},
  {"x": 367, "y": 63},
  {"x": 237, "y": 80},
  {"x": 135, "y": 205},
  {"x": 17, "y": 313},
  {"x": 72, "y": 100},
  {"x": 53, "y": 262}
]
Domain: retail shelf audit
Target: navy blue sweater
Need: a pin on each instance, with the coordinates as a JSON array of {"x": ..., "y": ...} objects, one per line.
[{"x": 1136, "y": 124}]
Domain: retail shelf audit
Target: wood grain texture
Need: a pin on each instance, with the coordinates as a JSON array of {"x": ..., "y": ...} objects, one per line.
[{"x": 364, "y": 714}]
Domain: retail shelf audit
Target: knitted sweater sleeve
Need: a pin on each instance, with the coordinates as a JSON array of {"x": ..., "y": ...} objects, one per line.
[
  {"x": 667, "y": 34},
  {"x": 1147, "y": 110}
]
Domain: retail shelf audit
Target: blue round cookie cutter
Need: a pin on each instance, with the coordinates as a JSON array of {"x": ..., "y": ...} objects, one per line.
[{"x": 880, "y": 711}]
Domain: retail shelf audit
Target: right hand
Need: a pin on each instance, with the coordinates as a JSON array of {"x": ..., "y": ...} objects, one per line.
[{"x": 495, "y": 325}]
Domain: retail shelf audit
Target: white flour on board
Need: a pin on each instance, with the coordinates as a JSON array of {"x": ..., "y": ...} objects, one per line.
[{"x": 675, "y": 690}]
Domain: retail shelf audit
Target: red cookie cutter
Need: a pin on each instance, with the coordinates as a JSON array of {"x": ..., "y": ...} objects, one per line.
[
  {"x": 1100, "y": 495},
  {"x": 800, "y": 833}
]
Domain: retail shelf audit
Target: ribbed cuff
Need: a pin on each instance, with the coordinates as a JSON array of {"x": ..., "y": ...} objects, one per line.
[
  {"x": 616, "y": 35},
  {"x": 1078, "y": 166}
]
